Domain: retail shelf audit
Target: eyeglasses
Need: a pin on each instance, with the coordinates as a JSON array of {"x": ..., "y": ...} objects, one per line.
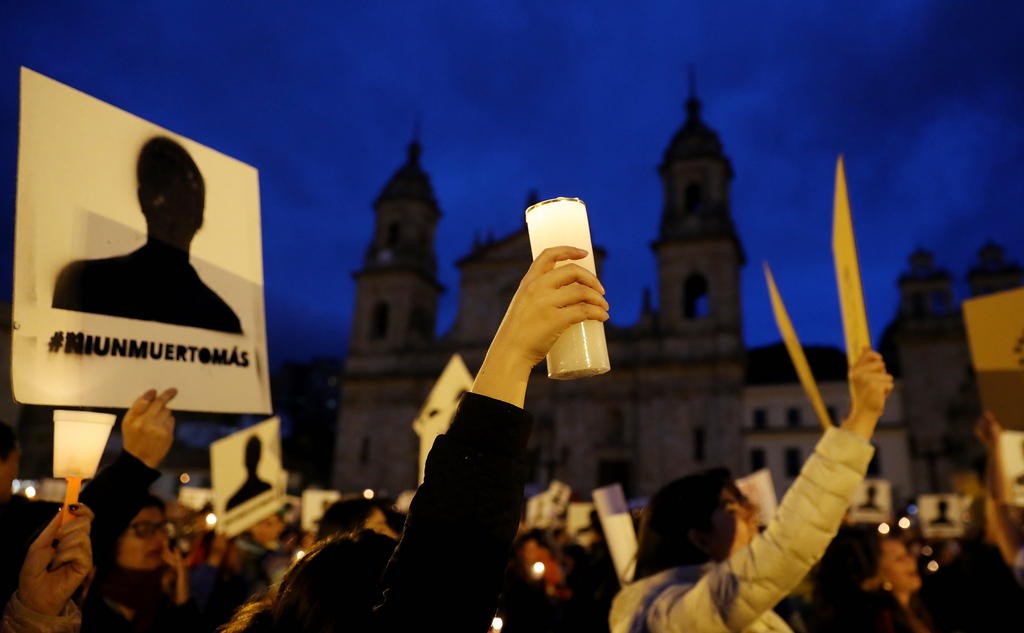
[{"x": 146, "y": 529}]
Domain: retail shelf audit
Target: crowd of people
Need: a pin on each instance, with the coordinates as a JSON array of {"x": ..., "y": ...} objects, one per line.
[{"x": 462, "y": 559}]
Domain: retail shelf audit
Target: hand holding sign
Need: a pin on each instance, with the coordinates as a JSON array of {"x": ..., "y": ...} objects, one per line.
[
  {"x": 870, "y": 385},
  {"x": 148, "y": 427},
  {"x": 844, "y": 252}
]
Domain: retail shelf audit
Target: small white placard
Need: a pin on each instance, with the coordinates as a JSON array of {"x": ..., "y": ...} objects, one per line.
[
  {"x": 248, "y": 480},
  {"x": 940, "y": 516},
  {"x": 873, "y": 502}
]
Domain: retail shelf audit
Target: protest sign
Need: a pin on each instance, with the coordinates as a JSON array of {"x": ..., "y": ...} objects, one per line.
[
  {"x": 314, "y": 504},
  {"x": 195, "y": 498},
  {"x": 995, "y": 330},
  {"x": 248, "y": 480},
  {"x": 436, "y": 415},
  {"x": 138, "y": 262},
  {"x": 844, "y": 253},
  {"x": 619, "y": 533},
  {"x": 547, "y": 509},
  {"x": 759, "y": 488},
  {"x": 796, "y": 351},
  {"x": 872, "y": 503},
  {"x": 577, "y": 517},
  {"x": 940, "y": 516},
  {"x": 1011, "y": 458}
]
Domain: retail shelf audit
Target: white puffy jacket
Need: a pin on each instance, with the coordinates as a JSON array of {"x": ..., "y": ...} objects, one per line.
[{"x": 737, "y": 595}]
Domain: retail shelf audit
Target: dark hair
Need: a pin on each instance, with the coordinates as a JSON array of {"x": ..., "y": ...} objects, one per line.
[
  {"x": 153, "y": 501},
  {"x": 850, "y": 559},
  {"x": 345, "y": 516},
  {"x": 8, "y": 441},
  {"x": 334, "y": 584},
  {"x": 680, "y": 506}
]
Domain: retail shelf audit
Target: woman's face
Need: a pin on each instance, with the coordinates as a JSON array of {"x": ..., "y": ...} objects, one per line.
[
  {"x": 141, "y": 546},
  {"x": 733, "y": 526},
  {"x": 898, "y": 568}
]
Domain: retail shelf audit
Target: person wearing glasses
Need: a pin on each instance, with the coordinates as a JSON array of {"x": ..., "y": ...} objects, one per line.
[{"x": 144, "y": 588}]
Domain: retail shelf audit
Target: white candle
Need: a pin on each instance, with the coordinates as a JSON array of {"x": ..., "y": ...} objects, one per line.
[
  {"x": 581, "y": 350},
  {"x": 79, "y": 438}
]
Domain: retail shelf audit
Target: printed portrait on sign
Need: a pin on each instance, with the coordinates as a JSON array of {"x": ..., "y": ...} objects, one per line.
[
  {"x": 138, "y": 262},
  {"x": 248, "y": 479},
  {"x": 873, "y": 502},
  {"x": 940, "y": 516}
]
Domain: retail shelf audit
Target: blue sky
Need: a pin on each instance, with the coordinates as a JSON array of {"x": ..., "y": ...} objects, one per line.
[{"x": 925, "y": 99}]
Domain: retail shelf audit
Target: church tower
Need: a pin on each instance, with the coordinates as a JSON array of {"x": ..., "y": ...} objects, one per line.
[
  {"x": 698, "y": 252},
  {"x": 397, "y": 289}
]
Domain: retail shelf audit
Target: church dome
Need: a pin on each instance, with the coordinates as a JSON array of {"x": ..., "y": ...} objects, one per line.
[
  {"x": 695, "y": 139},
  {"x": 410, "y": 182}
]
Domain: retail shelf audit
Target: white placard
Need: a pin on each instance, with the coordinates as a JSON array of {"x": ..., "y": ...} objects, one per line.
[
  {"x": 547, "y": 509},
  {"x": 247, "y": 476},
  {"x": 759, "y": 488},
  {"x": 436, "y": 415},
  {"x": 940, "y": 516},
  {"x": 577, "y": 517},
  {"x": 1011, "y": 453},
  {"x": 619, "y": 532},
  {"x": 873, "y": 502},
  {"x": 314, "y": 504},
  {"x": 195, "y": 498},
  {"x": 138, "y": 262}
]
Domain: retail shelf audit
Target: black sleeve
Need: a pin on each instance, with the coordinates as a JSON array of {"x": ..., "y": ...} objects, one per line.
[
  {"x": 116, "y": 495},
  {"x": 448, "y": 569}
]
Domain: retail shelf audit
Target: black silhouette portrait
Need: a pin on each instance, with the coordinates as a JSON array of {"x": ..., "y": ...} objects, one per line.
[
  {"x": 871, "y": 503},
  {"x": 253, "y": 484},
  {"x": 156, "y": 282},
  {"x": 943, "y": 518}
]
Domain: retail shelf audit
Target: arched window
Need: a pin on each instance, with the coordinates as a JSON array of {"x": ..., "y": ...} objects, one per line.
[
  {"x": 696, "y": 303},
  {"x": 381, "y": 317},
  {"x": 693, "y": 198},
  {"x": 392, "y": 240}
]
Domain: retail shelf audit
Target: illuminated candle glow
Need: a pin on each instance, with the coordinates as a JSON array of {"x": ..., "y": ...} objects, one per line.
[
  {"x": 581, "y": 350},
  {"x": 79, "y": 438}
]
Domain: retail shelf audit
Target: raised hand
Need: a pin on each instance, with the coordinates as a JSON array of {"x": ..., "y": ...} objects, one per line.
[
  {"x": 870, "y": 386},
  {"x": 148, "y": 427},
  {"x": 548, "y": 301},
  {"x": 987, "y": 429},
  {"x": 57, "y": 562}
]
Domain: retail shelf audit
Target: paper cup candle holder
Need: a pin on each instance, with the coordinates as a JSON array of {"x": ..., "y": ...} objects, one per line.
[
  {"x": 79, "y": 438},
  {"x": 581, "y": 350}
]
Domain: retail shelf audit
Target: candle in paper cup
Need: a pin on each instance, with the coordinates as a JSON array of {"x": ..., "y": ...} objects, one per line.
[
  {"x": 79, "y": 438},
  {"x": 581, "y": 350}
]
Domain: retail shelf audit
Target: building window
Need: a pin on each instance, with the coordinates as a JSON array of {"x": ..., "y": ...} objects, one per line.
[
  {"x": 792, "y": 462},
  {"x": 698, "y": 444},
  {"x": 615, "y": 471},
  {"x": 918, "y": 304},
  {"x": 393, "y": 232},
  {"x": 938, "y": 302},
  {"x": 875, "y": 465},
  {"x": 696, "y": 303},
  {"x": 381, "y": 316},
  {"x": 364, "y": 452},
  {"x": 693, "y": 197},
  {"x": 756, "y": 459},
  {"x": 760, "y": 419},
  {"x": 793, "y": 417}
]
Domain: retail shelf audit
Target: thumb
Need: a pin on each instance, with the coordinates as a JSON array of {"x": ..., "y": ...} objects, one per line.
[{"x": 47, "y": 536}]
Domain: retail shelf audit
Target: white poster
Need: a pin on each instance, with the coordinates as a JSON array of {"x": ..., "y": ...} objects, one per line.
[
  {"x": 436, "y": 415},
  {"x": 759, "y": 489},
  {"x": 248, "y": 480},
  {"x": 314, "y": 504},
  {"x": 940, "y": 516},
  {"x": 1011, "y": 453},
  {"x": 195, "y": 498},
  {"x": 547, "y": 509},
  {"x": 138, "y": 262},
  {"x": 873, "y": 502},
  {"x": 577, "y": 517},
  {"x": 619, "y": 532}
]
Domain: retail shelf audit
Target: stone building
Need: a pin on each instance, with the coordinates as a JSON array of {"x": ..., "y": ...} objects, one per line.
[{"x": 684, "y": 391}]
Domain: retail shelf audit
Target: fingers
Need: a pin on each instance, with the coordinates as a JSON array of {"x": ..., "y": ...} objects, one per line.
[
  {"x": 549, "y": 257},
  {"x": 578, "y": 293},
  {"x": 579, "y": 312},
  {"x": 159, "y": 403},
  {"x": 76, "y": 549},
  {"x": 45, "y": 538},
  {"x": 573, "y": 273},
  {"x": 141, "y": 403}
]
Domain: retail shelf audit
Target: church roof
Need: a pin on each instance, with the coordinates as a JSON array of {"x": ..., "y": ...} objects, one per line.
[
  {"x": 410, "y": 182},
  {"x": 695, "y": 139},
  {"x": 770, "y": 365}
]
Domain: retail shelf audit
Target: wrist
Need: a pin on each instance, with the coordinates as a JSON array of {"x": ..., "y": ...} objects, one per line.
[
  {"x": 861, "y": 422},
  {"x": 35, "y": 606}
]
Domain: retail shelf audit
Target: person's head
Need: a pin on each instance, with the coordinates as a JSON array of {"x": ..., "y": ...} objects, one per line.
[
  {"x": 354, "y": 515},
  {"x": 268, "y": 530},
  {"x": 848, "y": 568},
  {"x": 141, "y": 546},
  {"x": 171, "y": 192},
  {"x": 897, "y": 568},
  {"x": 333, "y": 587},
  {"x": 693, "y": 520},
  {"x": 10, "y": 455},
  {"x": 253, "y": 452}
]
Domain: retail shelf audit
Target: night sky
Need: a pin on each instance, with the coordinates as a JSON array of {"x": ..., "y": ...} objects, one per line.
[{"x": 924, "y": 98}]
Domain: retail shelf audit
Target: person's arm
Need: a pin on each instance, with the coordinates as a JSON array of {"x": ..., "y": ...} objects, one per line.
[
  {"x": 448, "y": 569},
  {"x": 117, "y": 493},
  {"x": 736, "y": 592},
  {"x": 1006, "y": 526}
]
